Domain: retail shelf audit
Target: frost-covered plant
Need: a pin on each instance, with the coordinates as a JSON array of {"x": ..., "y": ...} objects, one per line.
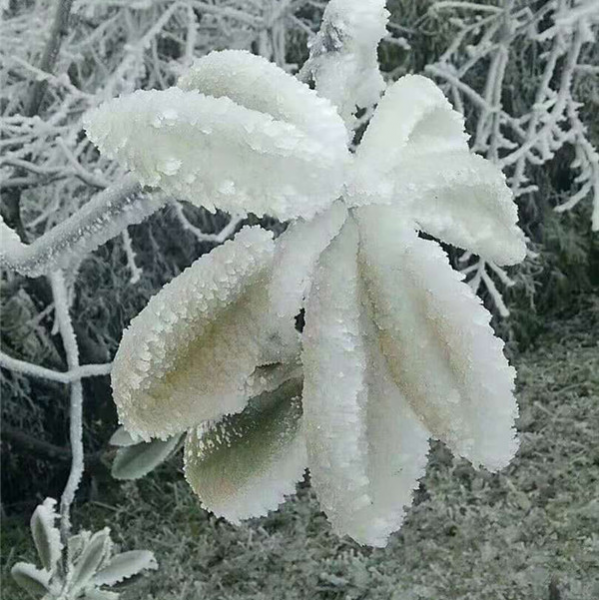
[
  {"x": 86, "y": 566},
  {"x": 395, "y": 349}
]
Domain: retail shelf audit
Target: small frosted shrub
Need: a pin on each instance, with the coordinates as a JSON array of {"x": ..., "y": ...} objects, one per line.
[
  {"x": 396, "y": 349},
  {"x": 85, "y": 567}
]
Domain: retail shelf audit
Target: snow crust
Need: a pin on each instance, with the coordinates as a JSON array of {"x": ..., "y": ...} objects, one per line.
[
  {"x": 188, "y": 355},
  {"x": 436, "y": 337},
  {"x": 244, "y": 465},
  {"x": 218, "y": 154}
]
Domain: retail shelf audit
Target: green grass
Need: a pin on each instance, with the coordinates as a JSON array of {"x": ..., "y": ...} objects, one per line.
[{"x": 529, "y": 533}]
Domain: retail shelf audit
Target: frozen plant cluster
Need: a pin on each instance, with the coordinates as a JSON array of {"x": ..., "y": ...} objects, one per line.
[
  {"x": 259, "y": 141},
  {"x": 396, "y": 349},
  {"x": 85, "y": 566}
]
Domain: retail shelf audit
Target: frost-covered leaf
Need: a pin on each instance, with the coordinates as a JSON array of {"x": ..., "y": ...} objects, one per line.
[
  {"x": 296, "y": 255},
  {"x": 35, "y": 581},
  {"x": 333, "y": 399},
  {"x": 464, "y": 201},
  {"x": 45, "y": 535},
  {"x": 218, "y": 154},
  {"x": 76, "y": 545},
  {"x": 125, "y": 565},
  {"x": 436, "y": 337},
  {"x": 415, "y": 155},
  {"x": 244, "y": 465},
  {"x": 257, "y": 84},
  {"x": 366, "y": 448},
  {"x": 122, "y": 438},
  {"x": 188, "y": 355},
  {"x": 133, "y": 462},
  {"x": 94, "y": 554}
]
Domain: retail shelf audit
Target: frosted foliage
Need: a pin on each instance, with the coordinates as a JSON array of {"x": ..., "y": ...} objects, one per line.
[
  {"x": 344, "y": 58},
  {"x": 244, "y": 465},
  {"x": 46, "y": 535},
  {"x": 415, "y": 155},
  {"x": 255, "y": 83},
  {"x": 398, "y": 444},
  {"x": 334, "y": 362},
  {"x": 296, "y": 255},
  {"x": 436, "y": 337},
  {"x": 462, "y": 199},
  {"x": 190, "y": 352},
  {"x": 216, "y": 153},
  {"x": 366, "y": 448}
]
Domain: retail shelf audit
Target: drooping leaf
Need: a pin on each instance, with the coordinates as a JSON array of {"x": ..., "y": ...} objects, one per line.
[
  {"x": 94, "y": 554},
  {"x": 133, "y": 462},
  {"x": 122, "y": 438},
  {"x": 334, "y": 398},
  {"x": 187, "y": 356},
  {"x": 366, "y": 448},
  {"x": 436, "y": 338},
  {"x": 415, "y": 155},
  {"x": 34, "y": 581},
  {"x": 45, "y": 535},
  {"x": 218, "y": 154},
  {"x": 125, "y": 565},
  {"x": 244, "y": 465}
]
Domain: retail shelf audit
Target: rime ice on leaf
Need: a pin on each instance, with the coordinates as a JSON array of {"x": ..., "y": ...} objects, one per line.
[
  {"x": 396, "y": 348},
  {"x": 415, "y": 155},
  {"x": 343, "y": 57},
  {"x": 191, "y": 351},
  {"x": 247, "y": 151},
  {"x": 244, "y": 465},
  {"x": 436, "y": 337}
]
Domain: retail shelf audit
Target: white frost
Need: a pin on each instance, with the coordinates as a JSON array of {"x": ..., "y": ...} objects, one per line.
[
  {"x": 244, "y": 465},
  {"x": 436, "y": 337},
  {"x": 190, "y": 352},
  {"x": 415, "y": 155},
  {"x": 219, "y": 154}
]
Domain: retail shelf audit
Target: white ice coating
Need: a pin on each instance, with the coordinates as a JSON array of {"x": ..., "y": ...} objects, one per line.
[
  {"x": 296, "y": 254},
  {"x": 46, "y": 535},
  {"x": 189, "y": 354},
  {"x": 415, "y": 155},
  {"x": 334, "y": 404},
  {"x": 366, "y": 448},
  {"x": 436, "y": 338},
  {"x": 264, "y": 150},
  {"x": 244, "y": 465},
  {"x": 343, "y": 56},
  {"x": 257, "y": 84}
]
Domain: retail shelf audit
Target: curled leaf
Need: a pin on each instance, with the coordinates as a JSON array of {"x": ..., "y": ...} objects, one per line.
[
  {"x": 133, "y": 462},
  {"x": 122, "y": 438},
  {"x": 94, "y": 554}
]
